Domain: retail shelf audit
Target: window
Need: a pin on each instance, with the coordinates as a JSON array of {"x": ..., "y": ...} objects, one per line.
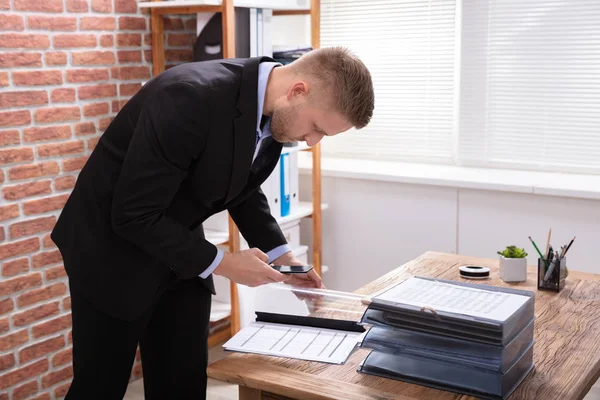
[{"x": 521, "y": 89}]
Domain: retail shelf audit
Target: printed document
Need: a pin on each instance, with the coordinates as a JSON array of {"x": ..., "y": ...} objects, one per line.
[
  {"x": 442, "y": 296},
  {"x": 292, "y": 341}
]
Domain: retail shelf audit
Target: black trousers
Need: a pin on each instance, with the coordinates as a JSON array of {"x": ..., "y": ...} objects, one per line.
[{"x": 172, "y": 336}]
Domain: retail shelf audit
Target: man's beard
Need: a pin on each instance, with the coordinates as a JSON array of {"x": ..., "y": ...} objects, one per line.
[{"x": 281, "y": 123}]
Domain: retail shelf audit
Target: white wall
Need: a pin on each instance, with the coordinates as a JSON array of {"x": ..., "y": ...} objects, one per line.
[{"x": 372, "y": 227}]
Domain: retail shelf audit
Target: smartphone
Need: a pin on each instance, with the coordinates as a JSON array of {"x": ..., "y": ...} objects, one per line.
[{"x": 292, "y": 269}]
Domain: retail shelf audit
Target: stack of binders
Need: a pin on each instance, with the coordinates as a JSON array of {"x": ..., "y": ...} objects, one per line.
[{"x": 465, "y": 338}]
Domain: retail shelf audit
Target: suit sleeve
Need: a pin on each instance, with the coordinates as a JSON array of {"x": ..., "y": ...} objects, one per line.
[
  {"x": 170, "y": 134},
  {"x": 257, "y": 225}
]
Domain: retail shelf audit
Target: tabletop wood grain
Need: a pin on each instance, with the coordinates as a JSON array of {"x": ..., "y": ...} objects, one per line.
[{"x": 566, "y": 351}]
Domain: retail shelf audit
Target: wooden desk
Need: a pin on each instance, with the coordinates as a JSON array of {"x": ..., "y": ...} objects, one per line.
[{"x": 566, "y": 352}]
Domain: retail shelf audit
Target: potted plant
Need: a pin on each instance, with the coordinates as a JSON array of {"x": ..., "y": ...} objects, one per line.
[{"x": 513, "y": 264}]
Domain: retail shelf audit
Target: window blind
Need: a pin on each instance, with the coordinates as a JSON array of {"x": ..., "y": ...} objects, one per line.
[
  {"x": 409, "y": 48},
  {"x": 530, "y": 84}
]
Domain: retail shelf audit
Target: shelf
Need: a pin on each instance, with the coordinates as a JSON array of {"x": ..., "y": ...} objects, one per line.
[
  {"x": 305, "y": 209},
  {"x": 219, "y": 311},
  {"x": 292, "y": 149},
  {"x": 271, "y": 4},
  {"x": 216, "y": 237}
]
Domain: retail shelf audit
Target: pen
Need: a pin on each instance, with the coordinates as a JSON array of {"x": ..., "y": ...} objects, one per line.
[
  {"x": 538, "y": 250},
  {"x": 548, "y": 242},
  {"x": 567, "y": 249}
]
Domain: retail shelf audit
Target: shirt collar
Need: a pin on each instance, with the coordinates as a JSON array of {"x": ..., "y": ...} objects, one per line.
[{"x": 264, "y": 70}]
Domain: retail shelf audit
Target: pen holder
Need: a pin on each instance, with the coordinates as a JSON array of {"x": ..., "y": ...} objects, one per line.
[{"x": 552, "y": 274}]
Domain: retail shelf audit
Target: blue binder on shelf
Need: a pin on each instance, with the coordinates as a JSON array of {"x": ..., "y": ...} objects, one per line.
[{"x": 285, "y": 184}]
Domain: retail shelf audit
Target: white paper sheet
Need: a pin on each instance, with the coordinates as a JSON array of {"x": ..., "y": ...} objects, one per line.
[
  {"x": 291, "y": 341},
  {"x": 463, "y": 300}
]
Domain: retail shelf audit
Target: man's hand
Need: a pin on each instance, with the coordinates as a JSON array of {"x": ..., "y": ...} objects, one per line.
[
  {"x": 249, "y": 267},
  {"x": 308, "y": 280}
]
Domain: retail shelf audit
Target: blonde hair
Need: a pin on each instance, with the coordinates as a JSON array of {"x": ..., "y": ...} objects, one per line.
[{"x": 346, "y": 77}]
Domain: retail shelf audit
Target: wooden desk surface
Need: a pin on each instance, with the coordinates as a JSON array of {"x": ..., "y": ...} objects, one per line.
[{"x": 566, "y": 352}]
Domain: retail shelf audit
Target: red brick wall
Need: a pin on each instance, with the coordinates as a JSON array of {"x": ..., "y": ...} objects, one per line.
[{"x": 66, "y": 66}]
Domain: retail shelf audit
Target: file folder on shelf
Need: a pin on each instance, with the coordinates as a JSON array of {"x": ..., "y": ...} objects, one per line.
[
  {"x": 457, "y": 324},
  {"x": 284, "y": 165},
  {"x": 448, "y": 376}
]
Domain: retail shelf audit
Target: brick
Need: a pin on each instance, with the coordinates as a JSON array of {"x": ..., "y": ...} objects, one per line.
[
  {"x": 37, "y": 78},
  {"x": 74, "y": 164},
  {"x": 56, "y": 58},
  {"x": 173, "y": 24},
  {"x": 53, "y": 23},
  {"x": 55, "y": 273},
  {"x": 43, "y": 294},
  {"x": 46, "y": 258},
  {"x": 129, "y": 56},
  {"x": 97, "y": 91},
  {"x": 63, "y": 95},
  {"x": 16, "y": 267},
  {"x": 15, "y": 155},
  {"x": 181, "y": 39},
  {"x": 47, "y": 240},
  {"x": 98, "y": 23},
  {"x": 107, "y": 40},
  {"x": 32, "y": 315},
  {"x": 67, "y": 303},
  {"x": 129, "y": 39},
  {"x": 15, "y": 118},
  {"x": 13, "y": 340},
  {"x": 19, "y": 59},
  {"x": 137, "y": 372},
  {"x": 94, "y": 109},
  {"x": 147, "y": 39},
  {"x": 70, "y": 337},
  {"x": 65, "y": 183},
  {"x": 132, "y": 23},
  {"x": 92, "y": 143},
  {"x": 4, "y": 79},
  {"x": 74, "y": 40},
  {"x": 37, "y": 5},
  {"x": 33, "y": 170},
  {"x": 85, "y": 128},
  {"x": 29, "y": 189},
  {"x": 8, "y": 138},
  {"x": 9, "y": 212},
  {"x": 41, "y": 349},
  {"x": 60, "y": 392},
  {"x": 55, "y": 377},
  {"x": 4, "y": 327},
  {"x": 6, "y": 305},
  {"x": 148, "y": 55},
  {"x": 26, "y": 390},
  {"x": 11, "y": 22},
  {"x": 57, "y": 114},
  {"x": 104, "y": 123},
  {"x": 79, "y": 6},
  {"x": 4, "y": 4},
  {"x": 46, "y": 396},
  {"x": 41, "y": 134},
  {"x": 7, "y": 361},
  {"x": 9, "y": 286},
  {"x": 87, "y": 75},
  {"x": 23, "y": 98},
  {"x": 24, "y": 41},
  {"x": 115, "y": 106},
  {"x": 61, "y": 149},
  {"x": 183, "y": 55},
  {"x": 190, "y": 24},
  {"x": 2, "y": 234},
  {"x": 103, "y": 6},
  {"x": 45, "y": 205},
  {"x": 62, "y": 357},
  {"x": 32, "y": 227},
  {"x": 126, "y": 73},
  {"x": 126, "y": 6},
  {"x": 23, "y": 373}
]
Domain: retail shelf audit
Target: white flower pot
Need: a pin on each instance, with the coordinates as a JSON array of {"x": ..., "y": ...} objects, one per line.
[{"x": 513, "y": 269}]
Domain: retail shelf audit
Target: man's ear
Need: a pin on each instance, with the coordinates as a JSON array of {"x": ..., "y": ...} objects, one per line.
[{"x": 298, "y": 89}]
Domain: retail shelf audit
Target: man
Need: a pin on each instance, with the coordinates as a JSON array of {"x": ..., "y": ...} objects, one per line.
[{"x": 198, "y": 139}]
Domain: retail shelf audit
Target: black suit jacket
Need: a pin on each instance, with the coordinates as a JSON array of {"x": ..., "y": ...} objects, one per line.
[{"x": 178, "y": 152}]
